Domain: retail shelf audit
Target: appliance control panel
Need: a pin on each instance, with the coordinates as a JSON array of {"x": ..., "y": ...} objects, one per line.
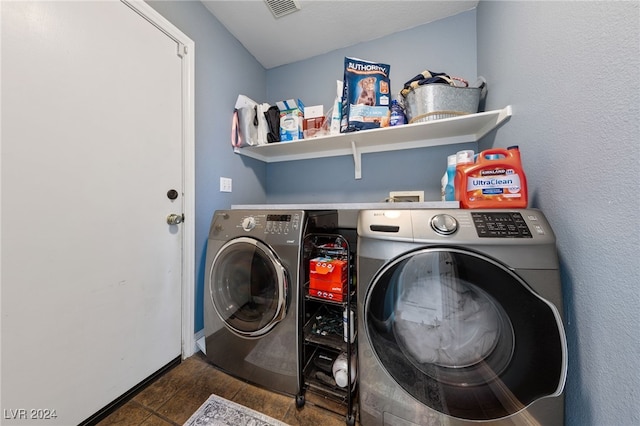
[
  {"x": 458, "y": 226},
  {"x": 271, "y": 224},
  {"x": 500, "y": 225},
  {"x": 282, "y": 223}
]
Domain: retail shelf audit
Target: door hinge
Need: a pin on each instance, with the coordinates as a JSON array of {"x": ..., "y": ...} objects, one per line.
[{"x": 182, "y": 50}]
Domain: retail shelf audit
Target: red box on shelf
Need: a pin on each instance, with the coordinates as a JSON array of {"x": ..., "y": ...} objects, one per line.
[
  {"x": 339, "y": 296},
  {"x": 328, "y": 278}
]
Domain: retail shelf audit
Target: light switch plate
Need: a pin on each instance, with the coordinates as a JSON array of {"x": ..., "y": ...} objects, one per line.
[{"x": 225, "y": 184}]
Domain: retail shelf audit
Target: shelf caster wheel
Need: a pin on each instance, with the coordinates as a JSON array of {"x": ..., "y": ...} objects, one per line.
[
  {"x": 299, "y": 401},
  {"x": 351, "y": 420}
]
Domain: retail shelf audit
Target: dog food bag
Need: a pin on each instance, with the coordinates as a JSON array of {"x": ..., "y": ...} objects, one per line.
[{"x": 366, "y": 95}]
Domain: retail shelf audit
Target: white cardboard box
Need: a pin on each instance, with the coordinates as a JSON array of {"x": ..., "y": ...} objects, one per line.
[{"x": 314, "y": 111}]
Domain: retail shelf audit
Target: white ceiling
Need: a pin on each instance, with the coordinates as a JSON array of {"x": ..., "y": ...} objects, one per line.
[{"x": 321, "y": 26}]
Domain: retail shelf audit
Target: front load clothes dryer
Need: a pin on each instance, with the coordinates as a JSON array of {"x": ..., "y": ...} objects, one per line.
[
  {"x": 461, "y": 318},
  {"x": 251, "y": 293}
]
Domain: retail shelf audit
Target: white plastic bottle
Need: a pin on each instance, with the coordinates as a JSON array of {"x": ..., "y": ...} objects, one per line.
[
  {"x": 464, "y": 159},
  {"x": 340, "y": 369},
  {"x": 336, "y": 114},
  {"x": 449, "y": 189},
  {"x": 443, "y": 186}
]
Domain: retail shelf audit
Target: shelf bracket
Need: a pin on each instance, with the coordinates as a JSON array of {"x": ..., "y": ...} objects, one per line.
[{"x": 357, "y": 160}]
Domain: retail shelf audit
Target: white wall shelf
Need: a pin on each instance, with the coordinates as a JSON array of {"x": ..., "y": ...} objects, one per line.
[{"x": 462, "y": 129}]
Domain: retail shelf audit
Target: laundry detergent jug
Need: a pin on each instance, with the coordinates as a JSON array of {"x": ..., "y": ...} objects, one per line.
[{"x": 496, "y": 180}]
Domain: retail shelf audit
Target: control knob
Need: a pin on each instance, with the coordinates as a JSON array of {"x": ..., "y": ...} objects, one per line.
[
  {"x": 248, "y": 223},
  {"x": 444, "y": 224}
]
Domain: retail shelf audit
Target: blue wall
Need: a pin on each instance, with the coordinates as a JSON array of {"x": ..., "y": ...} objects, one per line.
[
  {"x": 570, "y": 70},
  {"x": 447, "y": 45}
]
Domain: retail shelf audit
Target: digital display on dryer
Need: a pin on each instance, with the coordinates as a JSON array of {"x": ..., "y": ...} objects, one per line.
[
  {"x": 500, "y": 225},
  {"x": 278, "y": 218}
]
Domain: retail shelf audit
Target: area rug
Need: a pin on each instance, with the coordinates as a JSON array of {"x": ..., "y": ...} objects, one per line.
[{"x": 217, "y": 411}]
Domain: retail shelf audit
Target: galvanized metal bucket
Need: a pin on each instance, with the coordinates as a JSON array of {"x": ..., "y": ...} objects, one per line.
[{"x": 436, "y": 101}]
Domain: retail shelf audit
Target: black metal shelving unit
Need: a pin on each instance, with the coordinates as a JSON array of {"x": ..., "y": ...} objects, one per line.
[{"x": 322, "y": 333}]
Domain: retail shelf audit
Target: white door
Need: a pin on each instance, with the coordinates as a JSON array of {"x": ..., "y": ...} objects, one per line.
[{"x": 92, "y": 141}]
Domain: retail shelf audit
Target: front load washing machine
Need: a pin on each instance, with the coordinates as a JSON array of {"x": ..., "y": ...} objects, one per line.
[
  {"x": 251, "y": 293},
  {"x": 461, "y": 318}
]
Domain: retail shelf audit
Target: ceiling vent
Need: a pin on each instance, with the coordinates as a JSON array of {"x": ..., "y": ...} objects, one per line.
[{"x": 279, "y": 8}]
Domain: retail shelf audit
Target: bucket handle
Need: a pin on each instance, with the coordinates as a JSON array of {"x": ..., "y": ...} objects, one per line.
[{"x": 481, "y": 83}]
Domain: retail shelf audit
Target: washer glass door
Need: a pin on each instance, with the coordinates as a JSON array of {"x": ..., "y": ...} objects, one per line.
[
  {"x": 249, "y": 287},
  {"x": 463, "y": 334}
]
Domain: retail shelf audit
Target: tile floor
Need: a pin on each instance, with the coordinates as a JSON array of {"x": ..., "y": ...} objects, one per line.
[{"x": 173, "y": 397}]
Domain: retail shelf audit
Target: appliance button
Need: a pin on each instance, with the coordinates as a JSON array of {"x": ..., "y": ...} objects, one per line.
[{"x": 444, "y": 224}]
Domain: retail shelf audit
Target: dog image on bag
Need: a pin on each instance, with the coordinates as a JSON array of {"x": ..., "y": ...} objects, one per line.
[
  {"x": 365, "y": 96},
  {"x": 368, "y": 92}
]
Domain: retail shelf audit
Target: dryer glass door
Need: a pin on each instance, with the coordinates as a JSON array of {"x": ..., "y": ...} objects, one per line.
[
  {"x": 249, "y": 287},
  {"x": 463, "y": 334}
]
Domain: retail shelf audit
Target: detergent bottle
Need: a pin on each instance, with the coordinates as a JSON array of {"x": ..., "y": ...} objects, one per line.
[
  {"x": 496, "y": 180},
  {"x": 464, "y": 159}
]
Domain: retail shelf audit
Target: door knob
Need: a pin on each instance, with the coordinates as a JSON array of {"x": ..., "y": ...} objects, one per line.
[{"x": 175, "y": 219}]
